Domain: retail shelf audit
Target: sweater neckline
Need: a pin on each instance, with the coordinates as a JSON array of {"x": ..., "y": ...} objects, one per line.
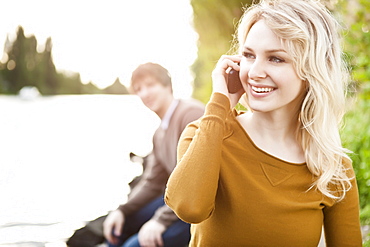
[{"x": 235, "y": 113}]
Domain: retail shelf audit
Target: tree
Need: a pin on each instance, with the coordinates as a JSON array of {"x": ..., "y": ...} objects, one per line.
[
  {"x": 214, "y": 21},
  {"x": 25, "y": 66},
  {"x": 48, "y": 81},
  {"x": 22, "y": 62},
  {"x": 116, "y": 88}
]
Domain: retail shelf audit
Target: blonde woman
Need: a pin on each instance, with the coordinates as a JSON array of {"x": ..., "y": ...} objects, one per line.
[{"x": 276, "y": 174}]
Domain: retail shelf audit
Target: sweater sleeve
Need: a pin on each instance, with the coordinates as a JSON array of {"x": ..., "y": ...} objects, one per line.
[
  {"x": 192, "y": 187},
  {"x": 341, "y": 221}
]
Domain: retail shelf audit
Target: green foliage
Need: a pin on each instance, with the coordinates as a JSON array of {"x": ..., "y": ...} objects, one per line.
[
  {"x": 356, "y": 18},
  {"x": 367, "y": 244},
  {"x": 215, "y": 21},
  {"x": 116, "y": 88},
  {"x": 356, "y": 134},
  {"x": 21, "y": 69},
  {"x": 356, "y": 137},
  {"x": 25, "y": 66}
]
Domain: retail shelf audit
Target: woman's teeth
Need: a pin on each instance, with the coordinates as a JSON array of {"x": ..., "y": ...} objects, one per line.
[{"x": 262, "y": 89}]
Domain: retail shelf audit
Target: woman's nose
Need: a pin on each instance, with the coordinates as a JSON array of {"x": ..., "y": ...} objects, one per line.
[{"x": 257, "y": 70}]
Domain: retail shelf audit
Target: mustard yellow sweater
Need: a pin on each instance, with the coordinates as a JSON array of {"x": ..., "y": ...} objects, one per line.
[{"x": 235, "y": 194}]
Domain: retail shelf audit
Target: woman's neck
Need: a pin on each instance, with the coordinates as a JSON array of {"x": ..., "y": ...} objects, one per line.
[
  {"x": 275, "y": 134},
  {"x": 274, "y": 126}
]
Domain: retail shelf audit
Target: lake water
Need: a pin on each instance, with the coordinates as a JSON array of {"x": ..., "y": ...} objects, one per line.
[{"x": 64, "y": 160}]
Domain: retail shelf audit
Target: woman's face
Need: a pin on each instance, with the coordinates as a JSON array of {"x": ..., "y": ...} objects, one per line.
[{"x": 267, "y": 72}]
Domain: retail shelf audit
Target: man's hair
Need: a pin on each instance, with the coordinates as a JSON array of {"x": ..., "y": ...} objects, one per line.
[{"x": 153, "y": 70}]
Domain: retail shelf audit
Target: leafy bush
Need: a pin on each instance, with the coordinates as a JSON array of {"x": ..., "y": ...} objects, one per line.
[
  {"x": 367, "y": 243},
  {"x": 356, "y": 137}
]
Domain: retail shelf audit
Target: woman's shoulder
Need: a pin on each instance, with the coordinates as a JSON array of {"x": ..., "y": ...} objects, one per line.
[{"x": 348, "y": 167}]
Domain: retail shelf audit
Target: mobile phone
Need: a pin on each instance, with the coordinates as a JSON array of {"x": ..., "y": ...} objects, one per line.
[{"x": 233, "y": 81}]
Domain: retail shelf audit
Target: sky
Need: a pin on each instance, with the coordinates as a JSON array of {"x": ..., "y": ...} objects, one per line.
[{"x": 103, "y": 40}]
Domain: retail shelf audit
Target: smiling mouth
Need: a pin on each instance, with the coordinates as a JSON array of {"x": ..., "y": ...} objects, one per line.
[{"x": 262, "y": 89}]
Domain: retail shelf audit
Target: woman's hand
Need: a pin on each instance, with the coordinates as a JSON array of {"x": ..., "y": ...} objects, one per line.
[{"x": 219, "y": 77}]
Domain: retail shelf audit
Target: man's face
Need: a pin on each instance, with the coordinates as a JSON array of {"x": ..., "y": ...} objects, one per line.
[{"x": 153, "y": 94}]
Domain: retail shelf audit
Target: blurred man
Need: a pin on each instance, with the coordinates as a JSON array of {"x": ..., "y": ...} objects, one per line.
[{"x": 145, "y": 220}]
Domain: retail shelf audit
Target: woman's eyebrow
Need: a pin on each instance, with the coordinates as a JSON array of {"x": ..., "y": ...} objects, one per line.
[
  {"x": 276, "y": 50},
  {"x": 267, "y": 51}
]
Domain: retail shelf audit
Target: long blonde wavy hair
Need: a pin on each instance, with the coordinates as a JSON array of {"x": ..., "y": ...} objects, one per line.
[{"x": 311, "y": 36}]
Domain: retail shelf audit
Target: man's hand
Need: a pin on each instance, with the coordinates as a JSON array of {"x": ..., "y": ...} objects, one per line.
[
  {"x": 150, "y": 234},
  {"x": 114, "y": 221}
]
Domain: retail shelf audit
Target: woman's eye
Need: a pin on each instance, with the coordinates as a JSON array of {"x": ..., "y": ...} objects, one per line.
[
  {"x": 248, "y": 55},
  {"x": 276, "y": 60}
]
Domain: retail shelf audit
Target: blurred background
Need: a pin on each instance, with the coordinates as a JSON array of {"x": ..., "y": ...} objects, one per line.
[{"x": 68, "y": 124}]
